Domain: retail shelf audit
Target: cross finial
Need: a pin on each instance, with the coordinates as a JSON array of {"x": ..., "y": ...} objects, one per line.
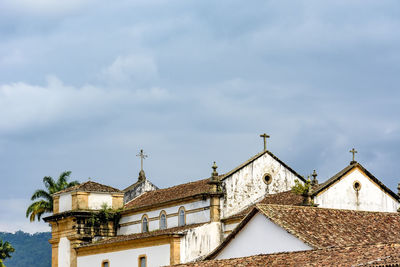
[
  {"x": 265, "y": 136},
  {"x": 353, "y": 151},
  {"x": 142, "y": 157}
]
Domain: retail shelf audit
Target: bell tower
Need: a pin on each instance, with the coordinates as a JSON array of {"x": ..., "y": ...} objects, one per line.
[{"x": 74, "y": 219}]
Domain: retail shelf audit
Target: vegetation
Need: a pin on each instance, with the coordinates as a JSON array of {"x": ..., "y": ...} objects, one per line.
[
  {"x": 103, "y": 216},
  {"x": 5, "y": 251},
  {"x": 44, "y": 203},
  {"x": 301, "y": 189},
  {"x": 30, "y": 249}
]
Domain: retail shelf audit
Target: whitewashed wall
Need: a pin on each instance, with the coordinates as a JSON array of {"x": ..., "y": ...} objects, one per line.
[
  {"x": 65, "y": 202},
  {"x": 191, "y": 218},
  {"x": 137, "y": 189},
  {"x": 229, "y": 227},
  {"x": 64, "y": 252},
  {"x": 96, "y": 200},
  {"x": 156, "y": 256},
  {"x": 261, "y": 236},
  {"x": 246, "y": 186},
  {"x": 343, "y": 196},
  {"x": 200, "y": 241}
]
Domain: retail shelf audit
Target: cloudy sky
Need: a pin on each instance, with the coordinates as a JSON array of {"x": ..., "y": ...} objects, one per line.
[{"x": 85, "y": 84}]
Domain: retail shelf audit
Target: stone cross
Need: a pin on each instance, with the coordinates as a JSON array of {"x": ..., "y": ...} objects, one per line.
[
  {"x": 142, "y": 157},
  {"x": 353, "y": 151},
  {"x": 265, "y": 136}
]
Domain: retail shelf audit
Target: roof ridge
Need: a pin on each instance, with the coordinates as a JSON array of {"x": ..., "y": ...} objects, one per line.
[
  {"x": 258, "y": 155},
  {"x": 160, "y": 189},
  {"x": 81, "y": 185},
  {"x": 344, "y": 171},
  {"x": 330, "y": 209}
]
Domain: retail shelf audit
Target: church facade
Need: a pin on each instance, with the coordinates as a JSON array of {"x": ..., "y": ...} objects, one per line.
[{"x": 187, "y": 222}]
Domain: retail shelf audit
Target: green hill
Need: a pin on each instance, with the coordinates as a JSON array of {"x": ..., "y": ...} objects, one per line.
[{"x": 30, "y": 249}]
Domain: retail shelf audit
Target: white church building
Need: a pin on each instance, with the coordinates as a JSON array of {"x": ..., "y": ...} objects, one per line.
[{"x": 208, "y": 218}]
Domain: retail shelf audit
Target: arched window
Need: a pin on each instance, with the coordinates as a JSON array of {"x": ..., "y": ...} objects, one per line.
[
  {"x": 142, "y": 261},
  {"x": 105, "y": 263},
  {"x": 145, "y": 224},
  {"x": 163, "y": 220},
  {"x": 181, "y": 216}
]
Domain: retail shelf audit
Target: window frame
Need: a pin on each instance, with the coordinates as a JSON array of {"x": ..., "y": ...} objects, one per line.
[
  {"x": 265, "y": 180},
  {"x": 105, "y": 261},
  {"x": 184, "y": 216},
  {"x": 161, "y": 214},
  {"x": 145, "y": 217},
  {"x": 143, "y": 256}
]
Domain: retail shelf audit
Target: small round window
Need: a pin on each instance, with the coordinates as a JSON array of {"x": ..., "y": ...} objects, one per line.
[
  {"x": 267, "y": 178},
  {"x": 357, "y": 185}
]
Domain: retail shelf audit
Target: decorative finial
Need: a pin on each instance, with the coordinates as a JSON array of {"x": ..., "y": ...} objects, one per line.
[
  {"x": 307, "y": 195},
  {"x": 142, "y": 157},
  {"x": 142, "y": 175},
  {"x": 214, "y": 179},
  {"x": 353, "y": 151},
  {"x": 314, "y": 180},
  {"x": 214, "y": 167},
  {"x": 265, "y": 136}
]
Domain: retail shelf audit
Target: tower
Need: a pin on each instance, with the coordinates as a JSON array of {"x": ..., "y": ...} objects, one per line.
[{"x": 77, "y": 218}]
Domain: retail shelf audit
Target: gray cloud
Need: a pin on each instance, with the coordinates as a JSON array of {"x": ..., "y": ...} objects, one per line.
[{"x": 85, "y": 84}]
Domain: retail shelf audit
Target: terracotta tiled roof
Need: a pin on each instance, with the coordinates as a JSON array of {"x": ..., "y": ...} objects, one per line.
[
  {"x": 343, "y": 172},
  {"x": 283, "y": 198},
  {"x": 323, "y": 228},
  {"x": 91, "y": 186},
  {"x": 169, "y": 194},
  {"x": 122, "y": 238},
  {"x": 190, "y": 189},
  {"x": 365, "y": 255}
]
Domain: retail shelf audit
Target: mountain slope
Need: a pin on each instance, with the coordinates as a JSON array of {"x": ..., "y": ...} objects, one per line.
[{"x": 30, "y": 249}]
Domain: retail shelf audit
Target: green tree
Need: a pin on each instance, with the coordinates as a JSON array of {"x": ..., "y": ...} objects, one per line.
[
  {"x": 44, "y": 203},
  {"x": 5, "y": 250}
]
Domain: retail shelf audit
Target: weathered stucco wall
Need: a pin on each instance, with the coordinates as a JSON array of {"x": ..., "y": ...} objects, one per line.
[
  {"x": 156, "y": 256},
  {"x": 200, "y": 241},
  {"x": 229, "y": 227},
  {"x": 64, "y": 252},
  {"x": 65, "y": 202},
  {"x": 261, "y": 236},
  {"x": 196, "y": 212},
  {"x": 370, "y": 197},
  {"x": 138, "y": 189},
  {"x": 246, "y": 186},
  {"x": 96, "y": 200}
]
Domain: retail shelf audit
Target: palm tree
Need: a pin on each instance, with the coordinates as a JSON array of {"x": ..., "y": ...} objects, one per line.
[
  {"x": 5, "y": 250},
  {"x": 45, "y": 202}
]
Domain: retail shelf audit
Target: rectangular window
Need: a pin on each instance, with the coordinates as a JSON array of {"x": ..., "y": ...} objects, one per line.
[
  {"x": 105, "y": 264},
  {"x": 142, "y": 261}
]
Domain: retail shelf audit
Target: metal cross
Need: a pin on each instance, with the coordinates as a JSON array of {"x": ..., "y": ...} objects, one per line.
[
  {"x": 142, "y": 157},
  {"x": 354, "y": 153},
  {"x": 265, "y": 136}
]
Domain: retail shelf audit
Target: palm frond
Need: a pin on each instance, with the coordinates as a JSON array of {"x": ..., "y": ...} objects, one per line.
[
  {"x": 62, "y": 179},
  {"x": 40, "y": 193},
  {"x": 45, "y": 199},
  {"x": 49, "y": 183},
  {"x": 36, "y": 209}
]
